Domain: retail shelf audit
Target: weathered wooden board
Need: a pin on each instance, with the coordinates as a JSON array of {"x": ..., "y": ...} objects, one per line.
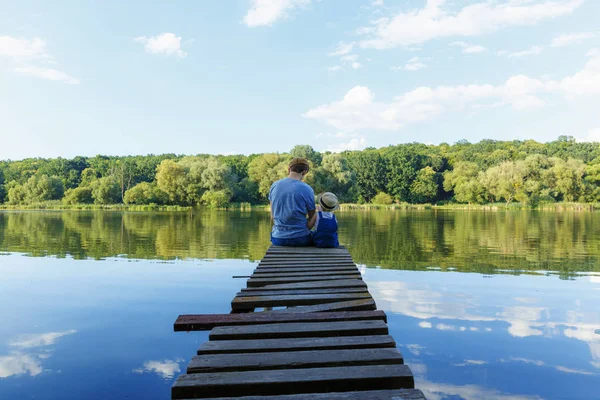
[
  {"x": 311, "y": 249},
  {"x": 301, "y": 274},
  {"x": 296, "y": 344},
  {"x": 291, "y": 381},
  {"x": 284, "y": 270},
  {"x": 298, "y": 330},
  {"x": 301, "y": 291},
  {"x": 259, "y": 282},
  {"x": 352, "y": 305},
  {"x": 307, "y": 266},
  {"x": 251, "y": 302},
  {"x": 342, "y": 283},
  {"x": 299, "y": 359},
  {"x": 208, "y": 321},
  {"x": 307, "y": 262},
  {"x": 397, "y": 394},
  {"x": 305, "y": 258}
]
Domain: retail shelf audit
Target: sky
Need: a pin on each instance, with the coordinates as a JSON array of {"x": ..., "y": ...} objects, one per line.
[{"x": 83, "y": 77}]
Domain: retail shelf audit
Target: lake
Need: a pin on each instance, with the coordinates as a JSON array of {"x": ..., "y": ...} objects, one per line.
[{"x": 483, "y": 304}]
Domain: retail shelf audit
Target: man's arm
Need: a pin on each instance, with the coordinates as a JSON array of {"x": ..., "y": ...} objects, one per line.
[{"x": 271, "y": 210}]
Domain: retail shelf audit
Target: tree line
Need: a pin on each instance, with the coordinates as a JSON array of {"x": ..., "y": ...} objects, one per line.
[{"x": 526, "y": 171}]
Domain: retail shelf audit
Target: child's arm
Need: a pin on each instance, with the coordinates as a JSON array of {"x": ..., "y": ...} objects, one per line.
[{"x": 313, "y": 220}]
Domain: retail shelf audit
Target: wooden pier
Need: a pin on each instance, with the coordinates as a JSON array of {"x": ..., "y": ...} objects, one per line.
[{"x": 305, "y": 327}]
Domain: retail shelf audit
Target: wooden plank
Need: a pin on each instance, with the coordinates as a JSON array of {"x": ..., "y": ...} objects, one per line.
[
  {"x": 292, "y": 381},
  {"x": 307, "y": 262},
  {"x": 301, "y": 274},
  {"x": 259, "y": 282},
  {"x": 273, "y": 248},
  {"x": 297, "y": 330},
  {"x": 342, "y": 283},
  {"x": 352, "y": 305},
  {"x": 248, "y": 302},
  {"x": 208, "y": 321},
  {"x": 291, "y": 292},
  {"x": 307, "y": 266},
  {"x": 396, "y": 394},
  {"x": 274, "y": 270},
  {"x": 296, "y": 344},
  {"x": 289, "y": 257},
  {"x": 294, "y": 360}
]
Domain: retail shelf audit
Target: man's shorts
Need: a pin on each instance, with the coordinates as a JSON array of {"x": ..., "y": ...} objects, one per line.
[{"x": 303, "y": 241}]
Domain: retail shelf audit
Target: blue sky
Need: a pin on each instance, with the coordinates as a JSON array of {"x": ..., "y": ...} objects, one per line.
[{"x": 244, "y": 76}]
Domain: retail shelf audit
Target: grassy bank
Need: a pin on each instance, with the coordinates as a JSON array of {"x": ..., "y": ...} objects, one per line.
[{"x": 561, "y": 206}]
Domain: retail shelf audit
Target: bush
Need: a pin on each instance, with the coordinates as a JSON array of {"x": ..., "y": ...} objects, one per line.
[
  {"x": 216, "y": 199},
  {"x": 145, "y": 193},
  {"x": 80, "y": 195},
  {"x": 382, "y": 199}
]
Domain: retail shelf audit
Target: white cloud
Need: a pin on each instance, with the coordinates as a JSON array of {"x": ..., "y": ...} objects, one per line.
[
  {"x": 573, "y": 371},
  {"x": 334, "y": 68},
  {"x": 350, "y": 57},
  {"x": 377, "y": 3},
  {"x": 573, "y": 38},
  {"x": 445, "y": 327},
  {"x": 356, "y": 65},
  {"x": 16, "y": 364},
  {"x": 358, "y": 110},
  {"x": 19, "y": 362},
  {"x": 267, "y": 12},
  {"x": 22, "y": 48},
  {"x": 434, "y": 21},
  {"x": 415, "y": 348},
  {"x": 474, "y": 49},
  {"x": 24, "y": 52},
  {"x": 414, "y": 64},
  {"x": 534, "y": 51},
  {"x": 47, "y": 73},
  {"x": 424, "y": 324},
  {"x": 358, "y": 143},
  {"x": 38, "y": 339},
  {"x": 469, "y": 48},
  {"x": 166, "y": 43},
  {"x": 592, "y": 136},
  {"x": 166, "y": 369},
  {"x": 342, "y": 49}
]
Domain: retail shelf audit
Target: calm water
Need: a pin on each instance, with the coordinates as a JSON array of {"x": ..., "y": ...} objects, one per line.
[{"x": 484, "y": 305}]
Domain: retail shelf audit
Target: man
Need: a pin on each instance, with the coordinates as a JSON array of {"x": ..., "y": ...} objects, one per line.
[{"x": 291, "y": 202}]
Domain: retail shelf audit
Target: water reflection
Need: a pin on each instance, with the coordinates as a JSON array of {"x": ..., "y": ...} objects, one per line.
[
  {"x": 528, "y": 328},
  {"x": 103, "y": 305},
  {"x": 166, "y": 369},
  {"x": 27, "y": 351},
  {"x": 482, "y": 241}
]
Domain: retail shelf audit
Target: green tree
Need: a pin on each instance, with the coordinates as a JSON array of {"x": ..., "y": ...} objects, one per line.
[
  {"x": 306, "y": 151},
  {"x": 106, "y": 190},
  {"x": 382, "y": 198},
  {"x": 266, "y": 169},
  {"x": 216, "y": 198},
  {"x": 15, "y": 193},
  {"x": 43, "y": 188},
  {"x": 425, "y": 187},
  {"x": 369, "y": 169},
  {"x": 566, "y": 179},
  {"x": 464, "y": 181},
  {"x": 145, "y": 193},
  {"x": 79, "y": 195},
  {"x": 171, "y": 179},
  {"x": 505, "y": 180}
]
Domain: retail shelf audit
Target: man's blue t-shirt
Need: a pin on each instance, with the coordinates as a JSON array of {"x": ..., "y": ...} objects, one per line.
[{"x": 291, "y": 200}]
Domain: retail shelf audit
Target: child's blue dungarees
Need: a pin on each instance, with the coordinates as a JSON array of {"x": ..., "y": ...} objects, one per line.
[{"x": 325, "y": 234}]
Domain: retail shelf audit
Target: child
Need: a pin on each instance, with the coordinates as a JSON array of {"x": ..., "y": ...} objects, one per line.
[{"x": 324, "y": 221}]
